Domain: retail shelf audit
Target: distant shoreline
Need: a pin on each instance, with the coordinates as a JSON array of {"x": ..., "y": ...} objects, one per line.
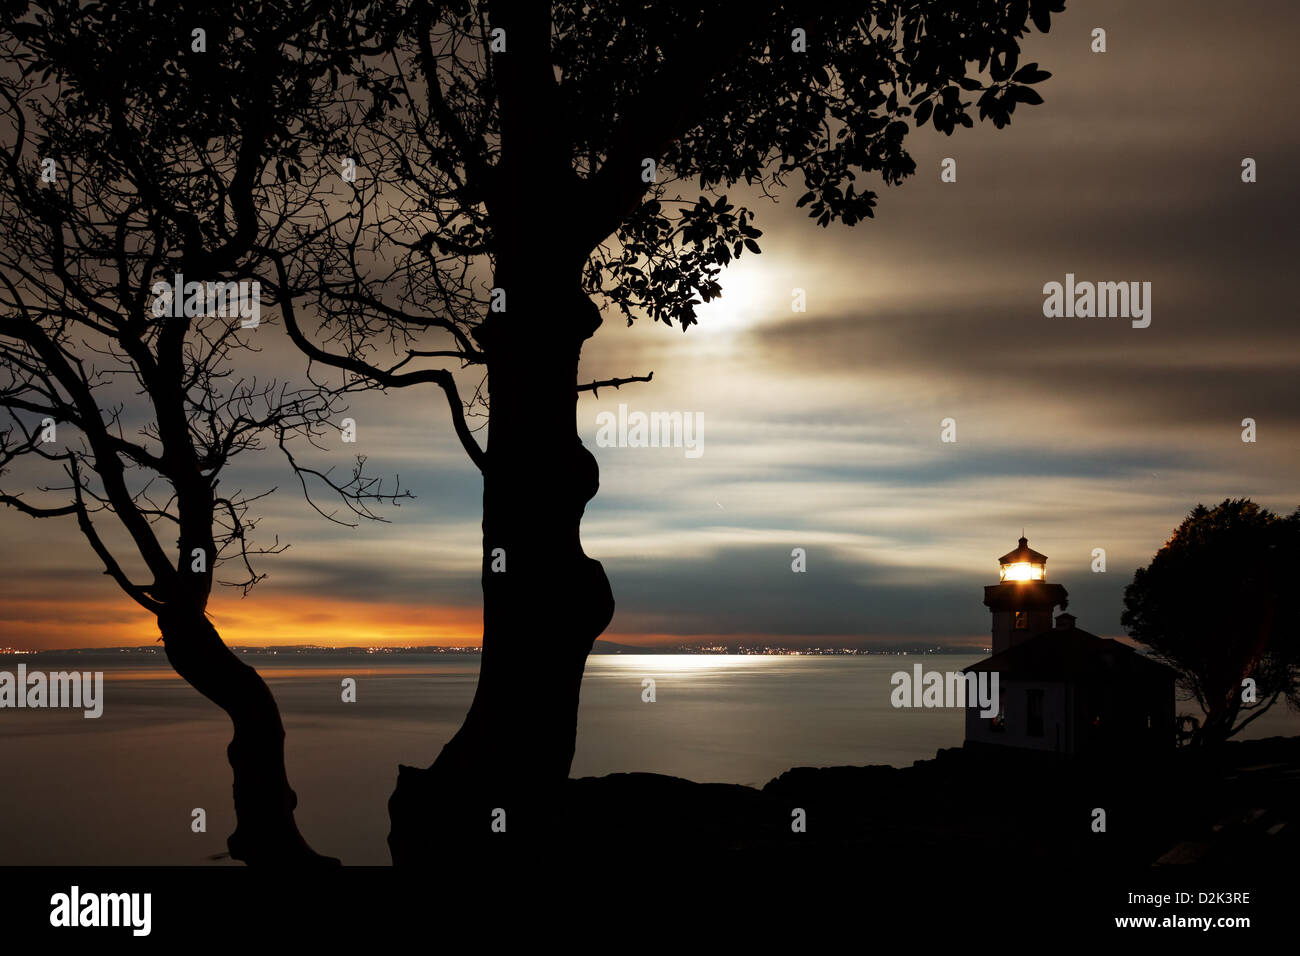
[{"x": 602, "y": 647}]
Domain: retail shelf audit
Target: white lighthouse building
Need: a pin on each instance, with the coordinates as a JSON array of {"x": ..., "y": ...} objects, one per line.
[{"x": 1062, "y": 689}]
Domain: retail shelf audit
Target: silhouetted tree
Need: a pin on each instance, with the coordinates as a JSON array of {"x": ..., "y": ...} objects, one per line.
[
  {"x": 526, "y": 163},
  {"x": 1216, "y": 603},
  {"x": 135, "y": 149}
]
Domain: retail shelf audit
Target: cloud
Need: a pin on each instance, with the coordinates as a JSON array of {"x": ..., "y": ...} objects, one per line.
[{"x": 822, "y": 428}]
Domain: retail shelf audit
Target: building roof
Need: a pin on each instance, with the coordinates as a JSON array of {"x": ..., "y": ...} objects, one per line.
[
  {"x": 1071, "y": 654},
  {"x": 1023, "y": 554}
]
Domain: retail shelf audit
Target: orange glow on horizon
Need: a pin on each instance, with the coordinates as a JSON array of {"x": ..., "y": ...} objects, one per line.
[
  {"x": 39, "y": 624},
  {"x": 288, "y": 619}
]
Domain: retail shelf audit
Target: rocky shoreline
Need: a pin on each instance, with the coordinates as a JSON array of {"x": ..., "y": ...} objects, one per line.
[{"x": 1238, "y": 803}]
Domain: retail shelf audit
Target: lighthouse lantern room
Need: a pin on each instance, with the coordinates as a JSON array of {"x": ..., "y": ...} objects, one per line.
[
  {"x": 1023, "y": 564},
  {"x": 1023, "y": 602}
]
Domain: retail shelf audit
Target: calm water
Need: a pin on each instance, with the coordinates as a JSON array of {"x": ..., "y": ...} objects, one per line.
[{"x": 120, "y": 789}]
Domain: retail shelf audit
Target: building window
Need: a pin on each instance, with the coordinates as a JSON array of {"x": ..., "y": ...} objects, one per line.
[
  {"x": 998, "y": 722},
  {"x": 1022, "y": 620},
  {"x": 1034, "y": 713}
]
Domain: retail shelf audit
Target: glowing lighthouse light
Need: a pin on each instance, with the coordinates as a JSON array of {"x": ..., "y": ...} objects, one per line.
[
  {"x": 1023, "y": 564},
  {"x": 1022, "y": 571}
]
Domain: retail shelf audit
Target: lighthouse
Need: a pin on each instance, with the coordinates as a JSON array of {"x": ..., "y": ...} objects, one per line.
[
  {"x": 1060, "y": 688},
  {"x": 1022, "y": 601}
]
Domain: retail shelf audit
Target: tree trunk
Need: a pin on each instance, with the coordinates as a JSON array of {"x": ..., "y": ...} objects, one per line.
[
  {"x": 265, "y": 830},
  {"x": 542, "y": 613},
  {"x": 1236, "y": 658},
  {"x": 1217, "y": 726}
]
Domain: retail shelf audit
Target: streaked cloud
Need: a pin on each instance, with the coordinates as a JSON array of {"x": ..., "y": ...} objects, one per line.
[{"x": 821, "y": 429}]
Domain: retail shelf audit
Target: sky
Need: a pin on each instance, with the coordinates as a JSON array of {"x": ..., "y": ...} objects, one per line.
[{"x": 822, "y": 429}]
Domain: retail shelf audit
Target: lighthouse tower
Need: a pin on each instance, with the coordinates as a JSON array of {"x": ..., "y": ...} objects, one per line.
[{"x": 1022, "y": 602}]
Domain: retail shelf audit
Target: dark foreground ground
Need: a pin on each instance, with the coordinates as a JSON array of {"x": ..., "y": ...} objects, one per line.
[
  {"x": 1238, "y": 804},
  {"x": 969, "y": 847}
]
